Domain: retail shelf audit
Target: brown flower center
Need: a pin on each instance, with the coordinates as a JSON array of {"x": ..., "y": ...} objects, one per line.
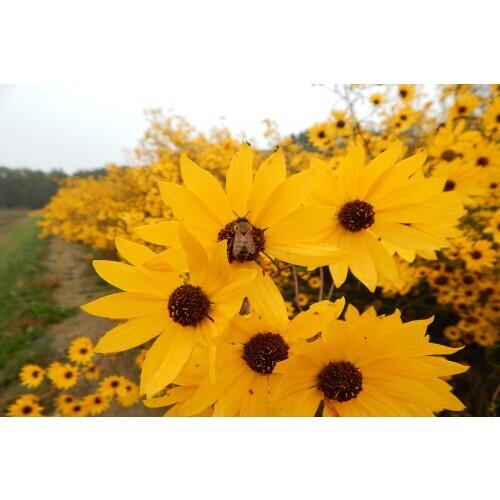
[
  {"x": 403, "y": 93},
  {"x": 340, "y": 381},
  {"x": 476, "y": 254},
  {"x": 115, "y": 384},
  {"x": 321, "y": 134},
  {"x": 244, "y": 240},
  {"x": 188, "y": 305},
  {"x": 482, "y": 161},
  {"x": 498, "y": 118},
  {"x": 27, "y": 410},
  {"x": 356, "y": 215},
  {"x": 68, "y": 374},
  {"x": 441, "y": 280},
  {"x": 83, "y": 350},
  {"x": 448, "y": 155},
  {"x": 263, "y": 351},
  {"x": 341, "y": 124},
  {"x": 468, "y": 280},
  {"x": 462, "y": 109},
  {"x": 36, "y": 373},
  {"x": 449, "y": 185}
]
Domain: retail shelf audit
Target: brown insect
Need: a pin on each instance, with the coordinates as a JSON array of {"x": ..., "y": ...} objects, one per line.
[{"x": 243, "y": 243}]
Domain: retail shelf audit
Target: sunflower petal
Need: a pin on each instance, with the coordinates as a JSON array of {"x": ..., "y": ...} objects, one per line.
[
  {"x": 163, "y": 233},
  {"x": 126, "y": 305},
  {"x": 239, "y": 179},
  {"x": 133, "y": 252},
  {"x": 207, "y": 188},
  {"x": 134, "y": 332},
  {"x": 166, "y": 358},
  {"x": 266, "y": 299}
]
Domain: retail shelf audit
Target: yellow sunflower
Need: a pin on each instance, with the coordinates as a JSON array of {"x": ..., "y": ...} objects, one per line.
[
  {"x": 246, "y": 358},
  {"x": 96, "y": 404},
  {"x": 464, "y": 106},
  {"x": 159, "y": 304},
  {"x": 139, "y": 359},
  {"x": 404, "y": 119},
  {"x": 25, "y": 406},
  {"x": 63, "y": 403},
  {"x": 368, "y": 366},
  {"x": 484, "y": 154},
  {"x": 76, "y": 409},
  {"x": 464, "y": 178},
  {"x": 31, "y": 375},
  {"x": 407, "y": 92},
  {"x": 81, "y": 351},
  {"x": 341, "y": 124},
  {"x": 478, "y": 254},
  {"x": 321, "y": 136},
  {"x": 110, "y": 385},
  {"x": 377, "y": 99},
  {"x": 128, "y": 394},
  {"x": 257, "y": 215},
  {"x": 385, "y": 200},
  {"x": 62, "y": 376},
  {"x": 91, "y": 371}
]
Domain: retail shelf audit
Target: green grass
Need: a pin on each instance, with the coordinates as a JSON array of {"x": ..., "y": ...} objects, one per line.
[{"x": 26, "y": 302}]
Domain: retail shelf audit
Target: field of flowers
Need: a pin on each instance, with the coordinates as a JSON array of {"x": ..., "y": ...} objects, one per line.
[{"x": 328, "y": 274}]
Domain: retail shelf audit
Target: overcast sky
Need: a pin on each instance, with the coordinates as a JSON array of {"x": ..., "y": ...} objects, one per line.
[{"x": 78, "y": 127}]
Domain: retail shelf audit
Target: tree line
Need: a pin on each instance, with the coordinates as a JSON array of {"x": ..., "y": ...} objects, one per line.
[{"x": 26, "y": 188}]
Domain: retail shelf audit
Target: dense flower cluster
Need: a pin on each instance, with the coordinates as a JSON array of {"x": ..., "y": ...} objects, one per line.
[{"x": 91, "y": 395}]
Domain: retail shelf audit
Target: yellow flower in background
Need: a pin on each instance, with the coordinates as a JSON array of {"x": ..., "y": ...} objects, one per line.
[
  {"x": 96, "y": 404},
  {"x": 369, "y": 366},
  {"x": 139, "y": 359},
  {"x": 407, "y": 92},
  {"x": 31, "y": 376},
  {"x": 76, "y": 409},
  {"x": 128, "y": 394},
  {"x": 91, "y": 371},
  {"x": 257, "y": 215},
  {"x": 64, "y": 402},
  {"x": 404, "y": 119},
  {"x": 25, "y": 406},
  {"x": 62, "y": 376},
  {"x": 464, "y": 106},
  {"x": 478, "y": 254},
  {"x": 112, "y": 385},
  {"x": 464, "y": 178},
  {"x": 159, "y": 304},
  {"x": 81, "y": 351},
  {"x": 341, "y": 124},
  {"x": 377, "y": 99},
  {"x": 246, "y": 358},
  {"x": 384, "y": 200},
  {"x": 321, "y": 135}
]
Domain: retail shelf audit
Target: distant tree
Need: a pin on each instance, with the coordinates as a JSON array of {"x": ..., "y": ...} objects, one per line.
[
  {"x": 26, "y": 188},
  {"x": 96, "y": 172}
]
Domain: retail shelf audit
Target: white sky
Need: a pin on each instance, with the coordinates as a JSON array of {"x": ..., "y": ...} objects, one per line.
[{"x": 76, "y": 127}]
